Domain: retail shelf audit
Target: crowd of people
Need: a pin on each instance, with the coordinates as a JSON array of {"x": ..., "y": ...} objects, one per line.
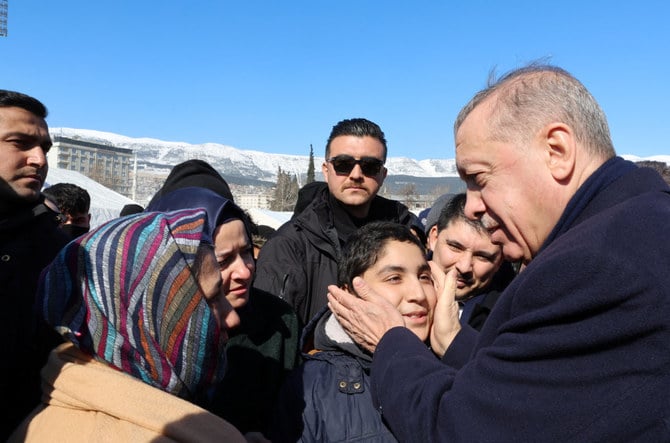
[{"x": 532, "y": 307}]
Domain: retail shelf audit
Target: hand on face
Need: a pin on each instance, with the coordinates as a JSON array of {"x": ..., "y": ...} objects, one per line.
[
  {"x": 460, "y": 246},
  {"x": 446, "y": 323},
  {"x": 365, "y": 318}
]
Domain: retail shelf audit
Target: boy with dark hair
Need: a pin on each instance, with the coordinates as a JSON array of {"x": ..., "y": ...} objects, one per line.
[
  {"x": 328, "y": 397},
  {"x": 74, "y": 203}
]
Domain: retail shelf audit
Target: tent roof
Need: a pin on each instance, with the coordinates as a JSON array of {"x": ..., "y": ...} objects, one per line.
[{"x": 106, "y": 204}]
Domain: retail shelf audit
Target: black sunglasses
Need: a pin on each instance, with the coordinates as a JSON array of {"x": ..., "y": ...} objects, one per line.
[{"x": 344, "y": 164}]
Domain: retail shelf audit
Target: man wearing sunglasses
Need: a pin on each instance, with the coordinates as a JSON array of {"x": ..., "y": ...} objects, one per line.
[{"x": 300, "y": 260}]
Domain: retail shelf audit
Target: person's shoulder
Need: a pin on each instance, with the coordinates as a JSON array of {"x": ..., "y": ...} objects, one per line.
[
  {"x": 271, "y": 304},
  {"x": 287, "y": 241},
  {"x": 325, "y": 364},
  {"x": 392, "y": 210}
]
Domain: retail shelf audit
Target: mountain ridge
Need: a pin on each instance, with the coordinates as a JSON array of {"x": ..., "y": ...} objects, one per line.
[
  {"x": 253, "y": 165},
  {"x": 231, "y": 161}
]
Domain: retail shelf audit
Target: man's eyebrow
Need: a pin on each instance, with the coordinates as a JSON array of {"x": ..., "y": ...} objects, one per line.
[
  {"x": 486, "y": 254},
  {"x": 46, "y": 141},
  {"x": 455, "y": 243},
  {"x": 392, "y": 268}
]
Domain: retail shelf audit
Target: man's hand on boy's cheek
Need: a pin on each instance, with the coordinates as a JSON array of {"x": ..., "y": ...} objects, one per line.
[
  {"x": 367, "y": 317},
  {"x": 446, "y": 323}
]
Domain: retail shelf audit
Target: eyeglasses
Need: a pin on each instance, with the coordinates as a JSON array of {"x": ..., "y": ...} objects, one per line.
[{"x": 344, "y": 164}]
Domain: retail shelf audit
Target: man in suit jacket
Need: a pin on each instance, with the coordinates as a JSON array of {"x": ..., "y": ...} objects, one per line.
[{"x": 577, "y": 348}]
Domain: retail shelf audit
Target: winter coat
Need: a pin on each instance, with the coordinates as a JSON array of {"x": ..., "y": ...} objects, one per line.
[
  {"x": 87, "y": 401},
  {"x": 300, "y": 259},
  {"x": 261, "y": 352},
  {"x": 477, "y": 309},
  {"x": 577, "y": 348},
  {"x": 29, "y": 240},
  {"x": 328, "y": 398}
]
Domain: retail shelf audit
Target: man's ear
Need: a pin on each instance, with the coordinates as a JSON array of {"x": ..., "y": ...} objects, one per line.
[
  {"x": 561, "y": 148},
  {"x": 432, "y": 237},
  {"x": 324, "y": 171}
]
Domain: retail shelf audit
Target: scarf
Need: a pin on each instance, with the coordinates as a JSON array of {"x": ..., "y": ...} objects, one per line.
[
  {"x": 220, "y": 210},
  {"x": 126, "y": 294}
]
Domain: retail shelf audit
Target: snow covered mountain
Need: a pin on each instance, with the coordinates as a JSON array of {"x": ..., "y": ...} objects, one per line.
[{"x": 232, "y": 162}]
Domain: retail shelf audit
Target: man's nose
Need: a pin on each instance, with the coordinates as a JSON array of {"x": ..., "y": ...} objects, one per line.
[
  {"x": 36, "y": 156},
  {"x": 356, "y": 172},
  {"x": 464, "y": 263},
  {"x": 474, "y": 205}
]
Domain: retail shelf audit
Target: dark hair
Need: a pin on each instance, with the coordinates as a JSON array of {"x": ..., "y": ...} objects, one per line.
[
  {"x": 455, "y": 210},
  {"x": 364, "y": 246},
  {"x": 194, "y": 173},
  {"x": 70, "y": 198},
  {"x": 23, "y": 101},
  {"x": 131, "y": 208},
  {"x": 358, "y": 127},
  {"x": 526, "y": 99}
]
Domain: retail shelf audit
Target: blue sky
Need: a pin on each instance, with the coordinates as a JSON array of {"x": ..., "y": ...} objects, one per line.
[{"x": 276, "y": 76}]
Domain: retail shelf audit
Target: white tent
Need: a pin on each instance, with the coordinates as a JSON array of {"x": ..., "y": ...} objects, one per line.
[
  {"x": 106, "y": 204},
  {"x": 274, "y": 219}
]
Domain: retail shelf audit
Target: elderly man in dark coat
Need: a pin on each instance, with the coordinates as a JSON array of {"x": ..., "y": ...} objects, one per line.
[{"x": 578, "y": 346}]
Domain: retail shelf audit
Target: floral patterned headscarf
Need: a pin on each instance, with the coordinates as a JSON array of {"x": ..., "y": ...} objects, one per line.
[{"x": 126, "y": 293}]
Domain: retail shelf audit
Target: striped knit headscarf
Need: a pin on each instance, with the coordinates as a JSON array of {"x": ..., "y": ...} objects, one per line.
[{"x": 126, "y": 293}]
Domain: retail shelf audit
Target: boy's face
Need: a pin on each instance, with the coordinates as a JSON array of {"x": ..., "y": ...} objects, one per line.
[{"x": 403, "y": 277}]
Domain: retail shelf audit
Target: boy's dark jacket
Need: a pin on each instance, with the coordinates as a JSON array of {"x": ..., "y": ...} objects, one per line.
[{"x": 328, "y": 397}]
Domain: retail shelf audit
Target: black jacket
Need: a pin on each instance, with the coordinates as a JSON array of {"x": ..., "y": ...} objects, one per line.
[
  {"x": 261, "y": 351},
  {"x": 300, "y": 259},
  {"x": 29, "y": 240}
]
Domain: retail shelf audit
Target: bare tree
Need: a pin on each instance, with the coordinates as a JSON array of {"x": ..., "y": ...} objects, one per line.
[
  {"x": 408, "y": 192},
  {"x": 285, "y": 193}
]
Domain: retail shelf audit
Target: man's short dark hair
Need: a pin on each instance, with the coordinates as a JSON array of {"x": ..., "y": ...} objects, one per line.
[
  {"x": 70, "y": 198},
  {"x": 358, "y": 127},
  {"x": 23, "y": 101},
  {"x": 365, "y": 245},
  {"x": 455, "y": 210}
]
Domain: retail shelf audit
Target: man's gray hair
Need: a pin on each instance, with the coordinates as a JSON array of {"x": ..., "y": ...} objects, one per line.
[{"x": 526, "y": 99}]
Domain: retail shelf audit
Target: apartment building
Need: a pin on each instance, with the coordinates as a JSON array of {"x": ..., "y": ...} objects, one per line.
[{"x": 108, "y": 165}]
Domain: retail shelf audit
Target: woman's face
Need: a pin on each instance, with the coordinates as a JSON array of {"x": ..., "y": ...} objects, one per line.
[
  {"x": 209, "y": 279},
  {"x": 234, "y": 254}
]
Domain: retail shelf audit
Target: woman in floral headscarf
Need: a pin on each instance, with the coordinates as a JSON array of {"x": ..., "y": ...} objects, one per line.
[{"x": 140, "y": 304}]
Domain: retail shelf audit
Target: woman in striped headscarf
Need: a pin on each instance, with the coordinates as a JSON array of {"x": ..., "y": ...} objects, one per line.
[{"x": 140, "y": 303}]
